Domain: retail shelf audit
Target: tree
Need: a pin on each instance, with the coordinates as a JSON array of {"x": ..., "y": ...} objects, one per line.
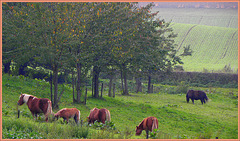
[
  {"x": 45, "y": 35},
  {"x": 15, "y": 32}
]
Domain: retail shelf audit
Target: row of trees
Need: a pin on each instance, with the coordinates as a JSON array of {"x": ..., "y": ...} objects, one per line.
[{"x": 84, "y": 37}]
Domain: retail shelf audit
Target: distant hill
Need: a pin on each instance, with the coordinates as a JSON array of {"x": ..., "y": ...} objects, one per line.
[
  {"x": 193, "y": 4},
  {"x": 211, "y": 33},
  {"x": 210, "y": 17},
  {"x": 213, "y": 47}
]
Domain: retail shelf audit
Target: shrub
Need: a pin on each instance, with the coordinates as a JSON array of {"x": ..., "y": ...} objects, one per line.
[{"x": 182, "y": 87}]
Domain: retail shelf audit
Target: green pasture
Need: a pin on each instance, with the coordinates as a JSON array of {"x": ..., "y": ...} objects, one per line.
[
  {"x": 213, "y": 47},
  {"x": 177, "y": 119},
  {"x": 211, "y": 33}
]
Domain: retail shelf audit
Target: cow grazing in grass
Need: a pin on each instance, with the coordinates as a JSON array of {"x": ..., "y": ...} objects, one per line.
[
  {"x": 148, "y": 124},
  {"x": 196, "y": 95},
  {"x": 36, "y": 105},
  {"x": 99, "y": 115},
  {"x": 67, "y": 113}
]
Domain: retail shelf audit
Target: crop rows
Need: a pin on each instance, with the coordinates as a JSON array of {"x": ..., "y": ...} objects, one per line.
[{"x": 213, "y": 47}]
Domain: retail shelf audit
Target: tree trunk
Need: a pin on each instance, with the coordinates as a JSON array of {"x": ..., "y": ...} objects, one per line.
[
  {"x": 73, "y": 86},
  {"x": 21, "y": 69},
  {"x": 7, "y": 67},
  {"x": 55, "y": 84},
  {"x": 122, "y": 81},
  {"x": 78, "y": 87},
  {"x": 125, "y": 91},
  {"x": 113, "y": 90},
  {"x": 101, "y": 90},
  {"x": 92, "y": 87},
  {"x": 110, "y": 86},
  {"x": 85, "y": 98},
  {"x": 138, "y": 85},
  {"x": 96, "y": 72},
  {"x": 149, "y": 84},
  {"x": 51, "y": 82},
  {"x": 125, "y": 83}
]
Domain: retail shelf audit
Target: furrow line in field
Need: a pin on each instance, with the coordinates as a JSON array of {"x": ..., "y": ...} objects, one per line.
[
  {"x": 224, "y": 54},
  {"x": 185, "y": 36}
]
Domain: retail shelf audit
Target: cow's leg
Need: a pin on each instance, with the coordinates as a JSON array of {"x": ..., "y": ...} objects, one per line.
[
  {"x": 33, "y": 115},
  {"x": 76, "y": 119},
  {"x": 36, "y": 116},
  {"x": 147, "y": 134},
  {"x": 46, "y": 118},
  {"x": 64, "y": 119},
  {"x": 192, "y": 100},
  {"x": 204, "y": 101}
]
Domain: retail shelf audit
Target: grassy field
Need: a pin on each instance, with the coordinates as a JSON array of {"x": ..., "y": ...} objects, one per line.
[
  {"x": 177, "y": 119},
  {"x": 213, "y": 47},
  {"x": 211, "y": 33},
  {"x": 200, "y": 16}
]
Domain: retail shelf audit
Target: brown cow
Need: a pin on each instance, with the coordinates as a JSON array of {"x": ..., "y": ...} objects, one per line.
[
  {"x": 148, "y": 124},
  {"x": 196, "y": 95},
  {"x": 36, "y": 105},
  {"x": 99, "y": 115},
  {"x": 67, "y": 113}
]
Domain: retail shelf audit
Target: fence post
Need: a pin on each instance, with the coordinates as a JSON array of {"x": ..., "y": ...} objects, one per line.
[
  {"x": 85, "y": 99},
  {"x": 92, "y": 87},
  {"x": 152, "y": 89},
  {"x": 113, "y": 90}
]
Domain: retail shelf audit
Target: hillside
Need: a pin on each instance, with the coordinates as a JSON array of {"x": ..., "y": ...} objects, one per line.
[
  {"x": 213, "y": 47},
  {"x": 201, "y": 16},
  {"x": 211, "y": 33},
  {"x": 177, "y": 118}
]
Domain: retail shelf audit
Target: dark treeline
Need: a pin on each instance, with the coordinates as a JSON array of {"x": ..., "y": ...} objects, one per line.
[
  {"x": 199, "y": 79},
  {"x": 83, "y": 40}
]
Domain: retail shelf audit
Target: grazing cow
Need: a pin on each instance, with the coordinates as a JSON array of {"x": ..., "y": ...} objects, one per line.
[
  {"x": 148, "y": 124},
  {"x": 196, "y": 95},
  {"x": 99, "y": 115},
  {"x": 36, "y": 105},
  {"x": 67, "y": 113}
]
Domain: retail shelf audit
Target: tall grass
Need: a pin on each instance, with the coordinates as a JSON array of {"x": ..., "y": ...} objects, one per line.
[{"x": 25, "y": 128}]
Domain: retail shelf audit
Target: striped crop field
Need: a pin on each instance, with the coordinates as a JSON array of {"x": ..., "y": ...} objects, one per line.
[
  {"x": 213, "y": 47},
  {"x": 211, "y": 33},
  {"x": 201, "y": 16}
]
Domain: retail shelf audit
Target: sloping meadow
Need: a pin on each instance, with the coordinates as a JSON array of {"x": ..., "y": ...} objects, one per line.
[
  {"x": 176, "y": 117},
  {"x": 213, "y": 47}
]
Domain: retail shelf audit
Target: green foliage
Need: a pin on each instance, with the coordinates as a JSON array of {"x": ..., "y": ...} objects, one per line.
[
  {"x": 107, "y": 126},
  {"x": 23, "y": 134},
  {"x": 182, "y": 87},
  {"x": 153, "y": 134}
]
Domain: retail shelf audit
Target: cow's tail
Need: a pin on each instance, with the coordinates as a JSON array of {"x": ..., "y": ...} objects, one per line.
[
  {"x": 155, "y": 124},
  {"x": 79, "y": 114},
  {"x": 49, "y": 109},
  {"x": 108, "y": 117}
]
